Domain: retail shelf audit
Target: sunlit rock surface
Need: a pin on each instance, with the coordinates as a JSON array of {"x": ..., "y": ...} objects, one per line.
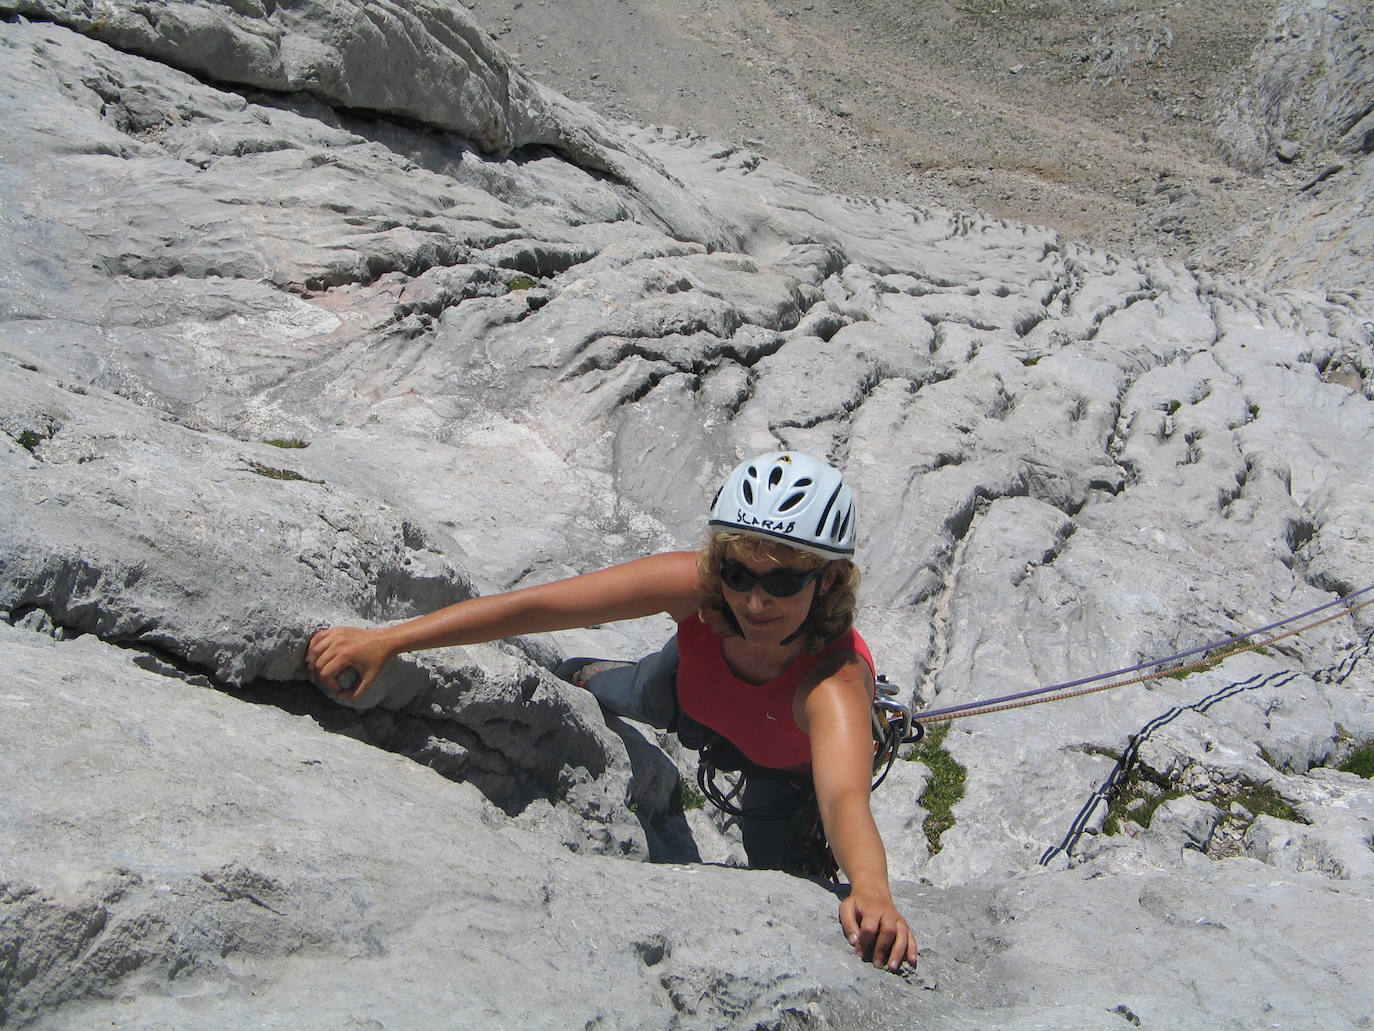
[{"x": 519, "y": 342}]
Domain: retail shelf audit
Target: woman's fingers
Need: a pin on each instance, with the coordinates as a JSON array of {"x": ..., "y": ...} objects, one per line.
[
  {"x": 878, "y": 934},
  {"x": 335, "y": 661}
]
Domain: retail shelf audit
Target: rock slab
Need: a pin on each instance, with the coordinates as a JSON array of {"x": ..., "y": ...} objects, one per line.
[{"x": 275, "y": 358}]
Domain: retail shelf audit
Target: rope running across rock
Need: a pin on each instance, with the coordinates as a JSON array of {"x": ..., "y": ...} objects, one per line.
[{"x": 1168, "y": 666}]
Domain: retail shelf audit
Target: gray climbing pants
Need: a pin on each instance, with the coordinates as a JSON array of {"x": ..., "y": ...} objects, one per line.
[{"x": 644, "y": 691}]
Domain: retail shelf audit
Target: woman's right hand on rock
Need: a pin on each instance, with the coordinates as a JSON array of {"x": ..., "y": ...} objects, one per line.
[{"x": 335, "y": 653}]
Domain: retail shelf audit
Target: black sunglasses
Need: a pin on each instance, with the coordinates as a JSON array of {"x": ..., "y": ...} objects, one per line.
[{"x": 780, "y": 583}]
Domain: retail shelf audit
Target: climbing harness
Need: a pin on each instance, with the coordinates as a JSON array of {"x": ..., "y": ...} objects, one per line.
[
  {"x": 723, "y": 774},
  {"x": 1167, "y": 666},
  {"x": 893, "y": 726}
]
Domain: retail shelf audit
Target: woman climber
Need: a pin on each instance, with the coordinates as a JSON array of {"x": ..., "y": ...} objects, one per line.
[{"x": 765, "y": 664}]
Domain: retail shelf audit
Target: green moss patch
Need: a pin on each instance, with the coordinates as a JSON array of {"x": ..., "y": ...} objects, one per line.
[
  {"x": 1137, "y": 798},
  {"x": 1262, "y": 800},
  {"x": 273, "y": 473},
  {"x": 690, "y": 796},
  {"x": 1360, "y": 762},
  {"x": 946, "y": 784},
  {"x": 1142, "y": 791}
]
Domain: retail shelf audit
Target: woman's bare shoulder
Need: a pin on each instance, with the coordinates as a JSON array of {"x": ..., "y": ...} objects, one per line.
[{"x": 679, "y": 572}]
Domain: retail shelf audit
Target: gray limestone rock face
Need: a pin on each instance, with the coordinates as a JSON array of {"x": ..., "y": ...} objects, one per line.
[
  {"x": 264, "y": 871},
  {"x": 1306, "y": 99},
  {"x": 286, "y": 342},
  {"x": 1187, "y": 822},
  {"x": 1311, "y": 78}
]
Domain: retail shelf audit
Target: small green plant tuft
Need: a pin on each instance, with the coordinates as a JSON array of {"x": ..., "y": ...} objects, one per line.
[
  {"x": 1174, "y": 406},
  {"x": 520, "y": 283},
  {"x": 689, "y": 795},
  {"x": 1210, "y": 660},
  {"x": 1262, "y": 800},
  {"x": 1183, "y": 674},
  {"x": 30, "y": 439},
  {"x": 1136, "y": 796},
  {"x": 1254, "y": 412},
  {"x": 278, "y": 474},
  {"x": 946, "y": 784},
  {"x": 287, "y": 442},
  {"x": 1140, "y": 794},
  {"x": 1145, "y": 814},
  {"x": 1360, "y": 762}
]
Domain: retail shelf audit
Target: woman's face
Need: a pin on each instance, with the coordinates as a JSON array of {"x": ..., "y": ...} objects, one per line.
[{"x": 766, "y": 618}]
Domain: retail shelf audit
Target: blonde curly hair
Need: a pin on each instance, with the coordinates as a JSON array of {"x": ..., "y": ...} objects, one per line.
[{"x": 832, "y": 613}]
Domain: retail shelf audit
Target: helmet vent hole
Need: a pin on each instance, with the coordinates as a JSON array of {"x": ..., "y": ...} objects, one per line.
[
  {"x": 792, "y": 502},
  {"x": 748, "y": 491},
  {"x": 774, "y": 477}
]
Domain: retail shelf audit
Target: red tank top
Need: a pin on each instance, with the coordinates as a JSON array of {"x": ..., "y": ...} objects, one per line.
[{"x": 756, "y": 718}]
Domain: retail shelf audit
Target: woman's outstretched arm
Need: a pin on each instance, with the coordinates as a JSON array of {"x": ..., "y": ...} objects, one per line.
[
  {"x": 837, "y": 717},
  {"x": 644, "y": 587}
]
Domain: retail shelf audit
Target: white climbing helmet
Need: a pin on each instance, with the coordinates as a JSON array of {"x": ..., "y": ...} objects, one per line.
[{"x": 789, "y": 497}]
